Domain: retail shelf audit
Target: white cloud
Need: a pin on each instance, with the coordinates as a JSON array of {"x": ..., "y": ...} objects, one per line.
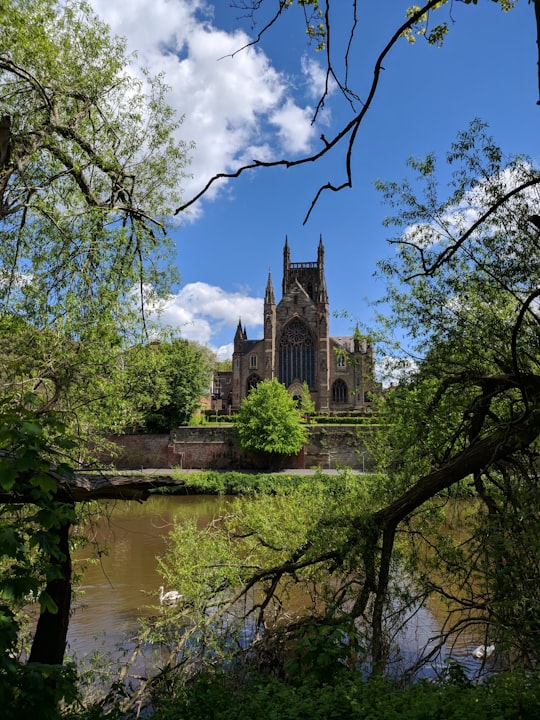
[
  {"x": 393, "y": 370},
  {"x": 294, "y": 127},
  {"x": 207, "y": 314},
  {"x": 230, "y": 103},
  {"x": 458, "y": 218},
  {"x": 315, "y": 76},
  {"x": 237, "y": 108}
]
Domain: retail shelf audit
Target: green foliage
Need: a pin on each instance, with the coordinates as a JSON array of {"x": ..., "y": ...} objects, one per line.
[
  {"x": 31, "y": 467},
  {"x": 463, "y": 284},
  {"x": 36, "y": 690},
  {"x": 98, "y": 143},
  {"x": 209, "y": 482},
  {"x": 224, "y": 365},
  {"x": 88, "y": 185},
  {"x": 268, "y": 421},
  {"x": 364, "y": 419},
  {"x": 221, "y": 570},
  {"x": 163, "y": 383},
  {"x": 235, "y": 483},
  {"x": 224, "y": 696},
  {"x": 306, "y": 404},
  {"x": 436, "y": 33},
  {"x": 79, "y": 378}
]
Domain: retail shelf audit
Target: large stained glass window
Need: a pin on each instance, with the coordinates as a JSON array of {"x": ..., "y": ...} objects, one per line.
[{"x": 296, "y": 355}]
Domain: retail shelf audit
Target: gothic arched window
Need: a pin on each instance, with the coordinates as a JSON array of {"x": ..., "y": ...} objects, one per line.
[
  {"x": 296, "y": 355},
  {"x": 252, "y": 381},
  {"x": 339, "y": 392}
]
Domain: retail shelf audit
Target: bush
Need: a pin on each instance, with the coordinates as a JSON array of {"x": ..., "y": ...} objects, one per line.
[
  {"x": 269, "y": 421},
  {"x": 259, "y": 697}
]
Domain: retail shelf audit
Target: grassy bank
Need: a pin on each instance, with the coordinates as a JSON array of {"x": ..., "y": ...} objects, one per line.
[{"x": 212, "y": 482}]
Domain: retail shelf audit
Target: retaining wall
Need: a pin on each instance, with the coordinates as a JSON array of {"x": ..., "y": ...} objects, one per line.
[{"x": 216, "y": 448}]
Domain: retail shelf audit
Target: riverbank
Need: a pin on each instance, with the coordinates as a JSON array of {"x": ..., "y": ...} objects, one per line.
[
  {"x": 124, "y": 586},
  {"x": 140, "y": 484}
]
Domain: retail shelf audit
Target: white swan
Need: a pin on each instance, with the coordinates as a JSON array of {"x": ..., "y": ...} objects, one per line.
[
  {"x": 483, "y": 651},
  {"x": 168, "y": 598}
]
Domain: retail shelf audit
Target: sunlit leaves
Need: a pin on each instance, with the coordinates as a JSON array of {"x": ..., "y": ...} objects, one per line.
[
  {"x": 269, "y": 421},
  {"x": 94, "y": 167},
  {"x": 265, "y": 555},
  {"x": 162, "y": 384},
  {"x": 436, "y": 33},
  {"x": 464, "y": 282}
]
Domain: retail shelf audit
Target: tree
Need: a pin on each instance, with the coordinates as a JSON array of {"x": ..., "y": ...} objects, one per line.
[
  {"x": 464, "y": 283},
  {"x": 88, "y": 170},
  {"x": 90, "y": 173},
  {"x": 470, "y": 268},
  {"x": 472, "y": 408},
  {"x": 164, "y": 382},
  {"x": 269, "y": 422},
  {"x": 306, "y": 404}
]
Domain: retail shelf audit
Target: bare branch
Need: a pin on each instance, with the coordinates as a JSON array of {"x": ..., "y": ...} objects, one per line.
[
  {"x": 351, "y": 129},
  {"x": 282, "y": 6},
  {"x": 449, "y": 252}
]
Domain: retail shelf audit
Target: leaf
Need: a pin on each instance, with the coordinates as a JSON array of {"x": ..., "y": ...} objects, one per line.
[
  {"x": 47, "y": 604},
  {"x": 44, "y": 482},
  {"x": 8, "y": 478},
  {"x": 31, "y": 428}
]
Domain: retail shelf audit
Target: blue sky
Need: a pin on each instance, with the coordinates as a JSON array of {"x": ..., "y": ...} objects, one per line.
[{"x": 259, "y": 104}]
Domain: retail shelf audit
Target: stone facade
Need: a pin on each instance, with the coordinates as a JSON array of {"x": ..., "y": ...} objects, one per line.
[{"x": 297, "y": 348}]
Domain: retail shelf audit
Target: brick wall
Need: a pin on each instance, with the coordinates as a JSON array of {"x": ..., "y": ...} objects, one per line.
[
  {"x": 140, "y": 451},
  {"x": 215, "y": 448}
]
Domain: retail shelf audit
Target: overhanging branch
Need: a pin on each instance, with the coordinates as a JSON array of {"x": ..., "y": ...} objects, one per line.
[{"x": 350, "y": 130}]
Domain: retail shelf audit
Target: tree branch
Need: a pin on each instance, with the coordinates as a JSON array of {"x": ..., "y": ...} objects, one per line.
[
  {"x": 449, "y": 252},
  {"x": 351, "y": 130}
]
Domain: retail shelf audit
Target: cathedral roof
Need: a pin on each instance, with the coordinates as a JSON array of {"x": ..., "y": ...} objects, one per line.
[
  {"x": 248, "y": 345},
  {"x": 344, "y": 341}
]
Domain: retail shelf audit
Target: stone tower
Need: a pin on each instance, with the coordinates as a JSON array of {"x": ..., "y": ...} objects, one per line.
[{"x": 296, "y": 347}]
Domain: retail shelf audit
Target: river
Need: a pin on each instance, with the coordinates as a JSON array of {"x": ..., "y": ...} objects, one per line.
[{"x": 123, "y": 585}]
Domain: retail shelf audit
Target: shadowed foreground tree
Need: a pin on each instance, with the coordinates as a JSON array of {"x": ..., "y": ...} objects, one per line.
[
  {"x": 464, "y": 282},
  {"x": 88, "y": 170}
]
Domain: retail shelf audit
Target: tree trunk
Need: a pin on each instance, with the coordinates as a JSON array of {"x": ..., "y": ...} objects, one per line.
[
  {"x": 500, "y": 445},
  {"x": 379, "y": 646},
  {"x": 50, "y": 639}
]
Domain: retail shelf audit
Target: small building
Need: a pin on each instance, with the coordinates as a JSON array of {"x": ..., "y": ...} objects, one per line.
[{"x": 297, "y": 349}]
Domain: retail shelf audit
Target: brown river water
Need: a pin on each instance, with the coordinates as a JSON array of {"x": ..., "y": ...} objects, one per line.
[
  {"x": 123, "y": 583},
  {"x": 120, "y": 587}
]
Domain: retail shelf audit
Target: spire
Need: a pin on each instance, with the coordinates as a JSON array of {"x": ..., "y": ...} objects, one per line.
[
  {"x": 286, "y": 266},
  {"x": 320, "y": 253},
  {"x": 323, "y": 293},
  {"x": 269, "y": 298},
  {"x": 239, "y": 335}
]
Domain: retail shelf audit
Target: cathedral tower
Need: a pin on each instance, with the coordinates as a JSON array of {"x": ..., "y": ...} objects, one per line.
[{"x": 296, "y": 347}]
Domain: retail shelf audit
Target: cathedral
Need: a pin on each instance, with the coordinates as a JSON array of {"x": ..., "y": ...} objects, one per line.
[{"x": 297, "y": 349}]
